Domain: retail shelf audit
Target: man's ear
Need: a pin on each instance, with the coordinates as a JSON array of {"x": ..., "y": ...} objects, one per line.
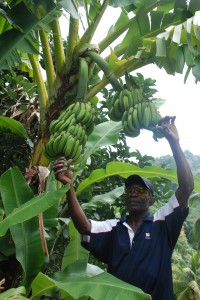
[{"x": 152, "y": 200}]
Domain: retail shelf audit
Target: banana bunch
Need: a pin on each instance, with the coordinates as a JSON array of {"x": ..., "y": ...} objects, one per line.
[
  {"x": 135, "y": 113},
  {"x": 69, "y": 133},
  {"x": 148, "y": 115},
  {"x": 143, "y": 115},
  {"x": 122, "y": 101}
]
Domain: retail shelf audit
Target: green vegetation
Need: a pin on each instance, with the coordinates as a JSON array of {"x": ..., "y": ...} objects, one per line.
[{"x": 40, "y": 252}]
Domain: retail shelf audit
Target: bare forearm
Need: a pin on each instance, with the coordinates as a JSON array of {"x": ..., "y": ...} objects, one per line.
[
  {"x": 78, "y": 216},
  {"x": 184, "y": 174}
]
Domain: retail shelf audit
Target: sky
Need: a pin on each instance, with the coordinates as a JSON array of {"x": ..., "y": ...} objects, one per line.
[{"x": 182, "y": 100}]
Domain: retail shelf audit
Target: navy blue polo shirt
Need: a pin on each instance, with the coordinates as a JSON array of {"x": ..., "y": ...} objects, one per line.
[{"x": 142, "y": 259}]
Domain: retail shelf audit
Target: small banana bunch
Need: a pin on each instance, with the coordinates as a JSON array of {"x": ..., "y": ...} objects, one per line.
[
  {"x": 135, "y": 113},
  {"x": 70, "y": 131}
]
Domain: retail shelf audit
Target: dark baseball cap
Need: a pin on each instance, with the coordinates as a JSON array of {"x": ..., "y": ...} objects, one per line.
[{"x": 139, "y": 180}]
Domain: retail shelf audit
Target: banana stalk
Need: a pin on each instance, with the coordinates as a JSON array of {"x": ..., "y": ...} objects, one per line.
[
  {"x": 72, "y": 42},
  {"x": 48, "y": 61},
  {"x": 43, "y": 96},
  {"x": 104, "y": 66},
  {"x": 58, "y": 46},
  {"x": 83, "y": 80}
]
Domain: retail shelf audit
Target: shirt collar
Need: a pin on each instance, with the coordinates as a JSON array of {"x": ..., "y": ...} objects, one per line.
[{"x": 149, "y": 217}]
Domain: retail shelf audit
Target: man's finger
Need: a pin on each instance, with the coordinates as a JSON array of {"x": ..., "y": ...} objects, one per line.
[
  {"x": 58, "y": 166},
  {"x": 173, "y": 119}
]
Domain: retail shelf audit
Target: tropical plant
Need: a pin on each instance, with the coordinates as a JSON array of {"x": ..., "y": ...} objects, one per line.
[
  {"x": 186, "y": 275},
  {"x": 160, "y": 32},
  {"x": 186, "y": 261}
]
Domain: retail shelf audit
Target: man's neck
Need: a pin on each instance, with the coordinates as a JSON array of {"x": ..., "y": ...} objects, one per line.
[{"x": 135, "y": 220}]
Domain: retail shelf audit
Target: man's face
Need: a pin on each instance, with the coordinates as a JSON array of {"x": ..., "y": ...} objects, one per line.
[{"x": 137, "y": 199}]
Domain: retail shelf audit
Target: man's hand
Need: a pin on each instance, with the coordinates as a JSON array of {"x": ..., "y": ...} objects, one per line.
[
  {"x": 62, "y": 170},
  {"x": 167, "y": 127}
]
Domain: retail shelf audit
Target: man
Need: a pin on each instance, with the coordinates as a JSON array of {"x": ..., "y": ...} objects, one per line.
[{"x": 138, "y": 248}]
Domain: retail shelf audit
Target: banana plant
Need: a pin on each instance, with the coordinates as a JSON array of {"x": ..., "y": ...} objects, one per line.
[
  {"x": 186, "y": 265},
  {"x": 187, "y": 285},
  {"x": 160, "y": 32}
]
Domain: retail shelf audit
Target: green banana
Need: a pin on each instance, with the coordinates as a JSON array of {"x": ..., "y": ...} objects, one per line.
[
  {"x": 134, "y": 96},
  {"x": 86, "y": 118},
  {"x": 63, "y": 140},
  {"x": 58, "y": 126},
  {"x": 49, "y": 148},
  {"x": 83, "y": 79},
  {"x": 83, "y": 137},
  {"x": 113, "y": 99},
  {"x": 68, "y": 149},
  {"x": 125, "y": 116},
  {"x": 139, "y": 94},
  {"x": 53, "y": 125},
  {"x": 116, "y": 108},
  {"x": 126, "y": 129},
  {"x": 112, "y": 116},
  {"x": 75, "y": 148},
  {"x": 71, "y": 130},
  {"x": 88, "y": 106},
  {"x": 76, "y": 129},
  {"x": 90, "y": 121},
  {"x": 65, "y": 115},
  {"x": 81, "y": 114},
  {"x": 130, "y": 111},
  {"x": 121, "y": 101},
  {"x": 155, "y": 115},
  {"x": 135, "y": 119},
  {"x": 128, "y": 132},
  {"x": 77, "y": 107},
  {"x": 126, "y": 102},
  {"x": 139, "y": 113},
  {"x": 143, "y": 107},
  {"x": 56, "y": 141},
  {"x": 48, "y": 155},
  {"x": 67, "y": 122},
  {"x": 146, "y": 117},
  {"x": 79, "y": 132},
  {"x": 153, "y": 119},
  {"x": 72, "y": 122},
  {"x": 130, "y": 98},
  {"x": 77, "y": 153},
  {"x": 130, "y": 123},
  {"x": 70, "y": 107},
  {"x": 78, "y": 160}
]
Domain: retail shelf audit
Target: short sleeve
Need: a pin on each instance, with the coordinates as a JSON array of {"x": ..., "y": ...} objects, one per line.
[
  {"x": 173, "y": 217},
  {"x": 99, "y": 242}
]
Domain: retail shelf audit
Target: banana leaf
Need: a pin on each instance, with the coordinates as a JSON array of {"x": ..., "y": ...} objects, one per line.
[
  {"x": 15, "y": 294},
  {"x": 22, "y": 39},
  {"x": 108, "y": 198},
  {"x": 104, "y": 134},
  {"x": 74, "y": 251},
  {"x": 15, "y": 127},
  {"x": 19, "y": 202},
  {"x": 21, "y": 209},
  {"x": 125, "y": 169},
  {"x": 71, "y": 7},
  {"x": 50, "y": 216},
  {"x": 76, "y": 281}
]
